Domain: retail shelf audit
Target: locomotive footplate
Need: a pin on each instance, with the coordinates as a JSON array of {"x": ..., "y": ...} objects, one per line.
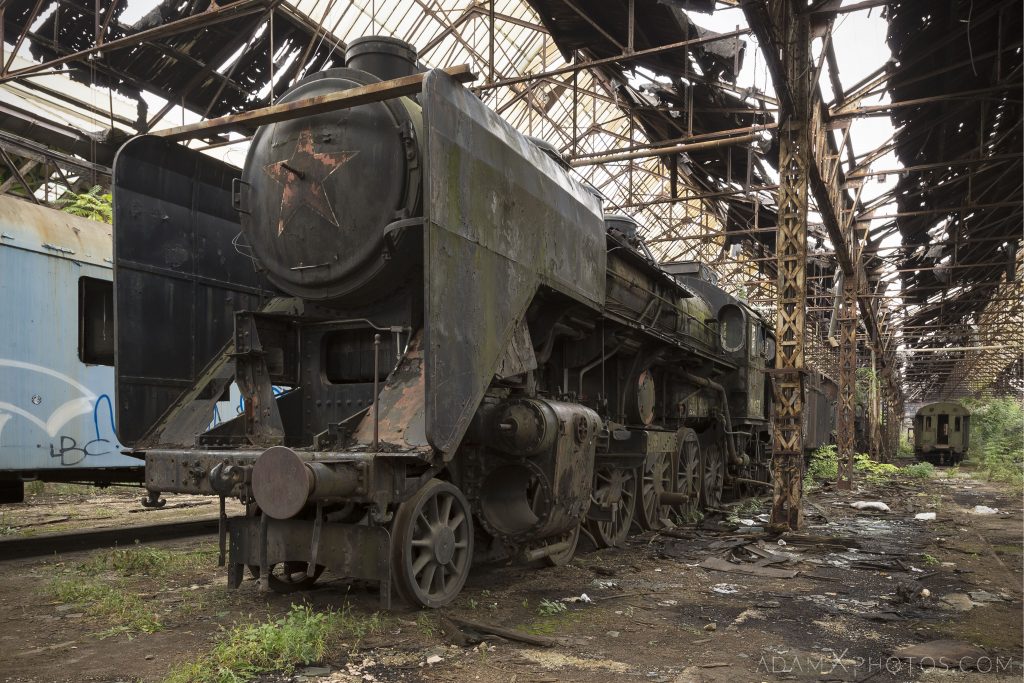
[{"x": 350, "y": 550}]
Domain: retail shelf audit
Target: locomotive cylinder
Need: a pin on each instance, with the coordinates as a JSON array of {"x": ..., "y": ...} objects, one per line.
[
  {"x": 524, "y": 427},
  {"x": 283, "y": 483}
]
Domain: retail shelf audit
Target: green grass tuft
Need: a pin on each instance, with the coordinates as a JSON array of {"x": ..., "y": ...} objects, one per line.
[
  {"x": 143, "y": 560},
  {"x": 303, "y": 636},
  {"x": 124, "y": 611}
]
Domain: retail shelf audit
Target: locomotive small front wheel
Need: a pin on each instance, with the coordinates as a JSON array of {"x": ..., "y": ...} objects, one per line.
[
  {"x": 289, "y": 577},
  {"x": 615, "y": 488},
  {"x": 657, "y": 479},
  {"x": 432, "y": 545},
  {"x": 564, "y": 557}
]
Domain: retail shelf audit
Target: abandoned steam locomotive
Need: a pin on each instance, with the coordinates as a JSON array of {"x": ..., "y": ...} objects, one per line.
[{"x": 443, "y": 342}]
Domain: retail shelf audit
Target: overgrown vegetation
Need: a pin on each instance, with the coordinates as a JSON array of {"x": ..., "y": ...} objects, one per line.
[
  {"x": 997, "y": 438},
  {"x": 824, "y": 466},
  {"x": 302, "y": 636},
  {"x": 95, "y": 204}
]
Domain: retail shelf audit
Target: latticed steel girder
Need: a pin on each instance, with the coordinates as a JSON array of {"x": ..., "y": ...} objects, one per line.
[
  {"x": 791, "y": 253},
  {"x": 845, "y": 413}
]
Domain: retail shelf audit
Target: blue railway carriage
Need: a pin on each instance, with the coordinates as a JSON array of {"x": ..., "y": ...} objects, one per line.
[
  {"x": 56, "y": 351},
  {"x": 942, "y": 433}
]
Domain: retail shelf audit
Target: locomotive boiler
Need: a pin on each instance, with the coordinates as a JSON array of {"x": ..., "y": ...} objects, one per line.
[{"x": 441, "y": 342}]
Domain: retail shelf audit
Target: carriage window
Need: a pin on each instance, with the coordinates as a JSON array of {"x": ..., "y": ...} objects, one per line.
[
  {"x": 928, "y": 422},
  {"x": 956, "y": 425},
  {"x": 95, "y": 321}
]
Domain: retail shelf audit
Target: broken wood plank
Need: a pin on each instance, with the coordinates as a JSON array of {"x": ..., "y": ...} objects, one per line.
[
  {"x": 501, "y": 631},
  {"x": 346, "y": 99},
  {"x": 718, "y": 564}
]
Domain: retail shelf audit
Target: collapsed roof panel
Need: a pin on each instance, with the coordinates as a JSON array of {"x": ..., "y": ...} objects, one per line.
[
  {"x": 957, "y": 73},
  {"x": 217, "y": 67}
]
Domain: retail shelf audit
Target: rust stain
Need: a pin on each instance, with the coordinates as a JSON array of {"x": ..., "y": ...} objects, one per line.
[
  {"x": 302, "y": 179},
  {"x": 401, "y": 403}
]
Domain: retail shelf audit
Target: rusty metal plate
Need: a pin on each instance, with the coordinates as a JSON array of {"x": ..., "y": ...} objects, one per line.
[{"x": 502, "y": 219}]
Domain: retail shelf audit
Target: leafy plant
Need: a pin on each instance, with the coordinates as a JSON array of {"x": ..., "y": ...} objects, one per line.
[
  {"x": 550, "y": 607},
  {"x": 95, "y": 204},
  {"x": 920, "y": 470},
  {"x": 824, "y": 464}
]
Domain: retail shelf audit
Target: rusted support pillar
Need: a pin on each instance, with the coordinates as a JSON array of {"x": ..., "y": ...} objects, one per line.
[
  {"x": 791, "y": 253},
  {"x": 845, "y": 409},
  {"x": 874, "y": 398}
]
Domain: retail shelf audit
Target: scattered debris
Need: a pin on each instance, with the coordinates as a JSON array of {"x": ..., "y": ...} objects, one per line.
[
  {"x": 583, "y": 597},
  {"x": 746, "y": 615},
  {"x": 711, "y": 627},
  {"x": 958, "y": 601},
  {"x": 985, "y": 596},
  {"x": 718, "y": 564},
  {"x": 942, "y": 653},
  {"x": 434, "y": 659},
  {"x": 870, "y": 505},
  {"x": 910, "y": 592},
  {"x": 984, "y": 510},
  {"x": 725, "y": 588},
  {"x": 925, "y": 516},
  {"x": 612, "y": 634}
]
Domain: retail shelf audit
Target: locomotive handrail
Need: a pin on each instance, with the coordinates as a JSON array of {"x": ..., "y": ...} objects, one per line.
[{"x": 346, "y": 99}]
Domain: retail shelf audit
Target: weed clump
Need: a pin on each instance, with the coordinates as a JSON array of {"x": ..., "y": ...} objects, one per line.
[
  {"x": 920, "y": 470},
  {"x": 302, "y": 636},
  {"x": 123, "y": 609}
]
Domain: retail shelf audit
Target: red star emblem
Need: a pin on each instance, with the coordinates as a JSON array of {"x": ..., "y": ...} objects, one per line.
[{"x": 302, "y": 179}]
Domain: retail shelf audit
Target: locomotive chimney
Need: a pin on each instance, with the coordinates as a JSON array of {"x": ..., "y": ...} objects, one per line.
[{"x": 382, "y": 56}]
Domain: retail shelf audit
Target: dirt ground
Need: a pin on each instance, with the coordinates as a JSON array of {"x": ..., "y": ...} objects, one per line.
[
  {"x": 651, "y": 612},
  {"x": 60, "y": 508}
]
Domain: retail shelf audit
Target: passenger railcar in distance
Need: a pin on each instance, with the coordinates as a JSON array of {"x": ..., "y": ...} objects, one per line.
[
  {"x": 56, "y": 351},
  {"x": 942, "y": 433}
]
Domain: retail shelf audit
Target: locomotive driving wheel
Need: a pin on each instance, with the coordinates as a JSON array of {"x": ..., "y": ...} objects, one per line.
[
  {"x": 614, "y": 488},
  {"x": 657, "y": 478},
  {"x": 712, "y": 473},
  {"x": 687, "y": 474},
  {"x": 432, "y": 545}
]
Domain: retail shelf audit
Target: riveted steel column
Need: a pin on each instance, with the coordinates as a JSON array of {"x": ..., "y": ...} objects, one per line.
[
  {"x": 845, "y": 414},
  {"x": 791, "y": 253}
]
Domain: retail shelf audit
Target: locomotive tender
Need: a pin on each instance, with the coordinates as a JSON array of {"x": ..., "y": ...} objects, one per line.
[{"x": 469, "y": 350}]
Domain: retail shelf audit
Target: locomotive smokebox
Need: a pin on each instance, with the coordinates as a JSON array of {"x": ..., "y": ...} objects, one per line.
[
  {"x": 382, "y": 56},
  {"x": 330, "y": 203}
]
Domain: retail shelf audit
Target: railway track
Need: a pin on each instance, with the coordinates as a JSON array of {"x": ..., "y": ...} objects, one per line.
[{"x": 39, "y": 546}]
